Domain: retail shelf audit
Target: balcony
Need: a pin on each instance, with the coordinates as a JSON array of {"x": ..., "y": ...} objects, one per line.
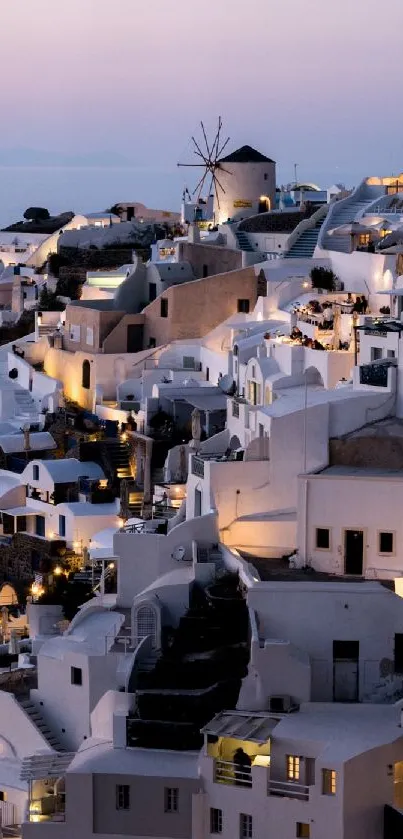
[
  {"x": 228, "y": 772},
  {"x": 50, "y": 808},
  {"x": 375, "y": 375},
  {"x": 288, "y": 789}
]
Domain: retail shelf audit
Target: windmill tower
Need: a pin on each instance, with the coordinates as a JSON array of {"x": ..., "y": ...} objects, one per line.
[{"x": 205, "y": 207}]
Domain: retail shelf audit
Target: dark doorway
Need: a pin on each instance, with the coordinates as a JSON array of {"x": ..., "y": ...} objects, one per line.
[
  {"x": 398, "y": 658},
  {"x": 86, "y": 375},
  {"x": 198, "y": 502},
  {"x": 345, "y": 671},
  {"x": 264, "y": 205},
  {"x": 353, "y": 552},
  {"x": 134, "y": 338},
  {"x": 152, "y": 291},
  {"x": 40, "y": 525}
]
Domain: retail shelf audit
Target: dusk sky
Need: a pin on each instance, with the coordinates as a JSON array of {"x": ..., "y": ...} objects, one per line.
[{"x": 316, "y": 82}]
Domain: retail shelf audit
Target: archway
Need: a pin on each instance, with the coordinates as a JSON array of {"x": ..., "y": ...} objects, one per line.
[
  {"x": 86, "y": 375},
  {"x": 313, "y": 376},
  {"x": 234, "y": 443},
  {"x": 146, "y": 623}
]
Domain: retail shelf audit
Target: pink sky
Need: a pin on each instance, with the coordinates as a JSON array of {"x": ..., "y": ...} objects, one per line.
[{"x": 316, "y": 82}]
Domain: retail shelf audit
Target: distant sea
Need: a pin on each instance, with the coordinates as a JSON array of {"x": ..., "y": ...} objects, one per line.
[{"x": 83, "y": 189}]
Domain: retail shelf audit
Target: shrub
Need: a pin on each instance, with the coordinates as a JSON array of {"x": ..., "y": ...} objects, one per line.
[{"x": 323, "y": 278}]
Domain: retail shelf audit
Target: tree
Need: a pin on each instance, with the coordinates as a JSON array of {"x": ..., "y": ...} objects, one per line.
[
  {"x": 36, "y": 214},
  {"x": 323, "y": 278},
  {"x": 48, "y": 301}
]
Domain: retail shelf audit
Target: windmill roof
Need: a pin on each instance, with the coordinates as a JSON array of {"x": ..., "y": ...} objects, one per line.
[{"x": 246, "y": 154}]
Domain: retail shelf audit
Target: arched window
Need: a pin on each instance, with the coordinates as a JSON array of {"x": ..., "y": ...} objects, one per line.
[
  {"x": 86, "y": 376},
  {"x": 146, "y": 624}
]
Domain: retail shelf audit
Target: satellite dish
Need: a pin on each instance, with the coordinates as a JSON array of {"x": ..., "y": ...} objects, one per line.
[
  {"x": 178, "y": 553},
  {"x": 226, "y": 383}
]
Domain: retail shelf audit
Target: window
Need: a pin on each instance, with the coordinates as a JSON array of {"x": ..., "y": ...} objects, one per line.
[
  {"x": 152, "y": 343},
  {"x": 245, "y": 826},
  {"x": 75, "y": 333},
  {"x": 152, "y": 291},
  {"x": 215, "y": 820},
  {"x": 3, "y": 795},
  {"x": 323, "y": 538},
  {"x": 62, "y": 526},
  {"x": 328, "y": 782},
  {"x": 76, "y": 676},
  {"x": 386, "y": 542},
  {"x": 171, "y": 799},
  {"x": 35, "y": 472},
  {"x": 164, "y": 307},
  {"x": 391, "y": 354},
  {"x": 86, "y": 375},
  {"x": 376, "y": 353},
  {"x": 122, "y": 797},
  {"x": 293, "y": 767},
  {"x": 303, "y": 830},
  {"x": 398, "y": 652},
  {"x": 205, "y": 271},
  {"x": 265, "y": 176},
  {"x": 243, "y": 306},
  {"x": 90, "y": 336},
  {"x": 207, "y": 374}
]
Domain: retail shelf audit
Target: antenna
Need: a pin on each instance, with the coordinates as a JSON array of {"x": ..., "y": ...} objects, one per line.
[
  {"x": 295, "y": 173},
  {"x": 208, "y": 160}
]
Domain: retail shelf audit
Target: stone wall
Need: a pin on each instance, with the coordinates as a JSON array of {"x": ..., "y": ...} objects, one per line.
[
  {"x": 195, "y": 308},
  {"x": 207, "y": 260}
]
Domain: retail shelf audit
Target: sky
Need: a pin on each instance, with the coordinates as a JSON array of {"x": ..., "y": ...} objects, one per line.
[{"x": 312, "y": 82}]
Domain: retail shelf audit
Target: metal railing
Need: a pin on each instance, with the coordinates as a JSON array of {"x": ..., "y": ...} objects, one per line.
[
  {"x": 228, "y": 772},
  {"x": 288, "y": 789},
  {"x": 197, "y": 467}
]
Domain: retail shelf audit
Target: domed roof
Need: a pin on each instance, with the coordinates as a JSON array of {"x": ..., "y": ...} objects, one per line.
[
  {"x": 126, "y": 295},
  {"x": 246, "y": 154}
]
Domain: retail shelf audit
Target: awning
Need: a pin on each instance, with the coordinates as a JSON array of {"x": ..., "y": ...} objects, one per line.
[
  {"x": 256, "y": 728},
  {"x": 392, "y": 292},
  {"x": 47, "y": 765},
  {"x": 21, "y": 511}
]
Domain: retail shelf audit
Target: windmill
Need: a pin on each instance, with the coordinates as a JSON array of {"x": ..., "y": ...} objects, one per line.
[{"x": 208, "y": 160}]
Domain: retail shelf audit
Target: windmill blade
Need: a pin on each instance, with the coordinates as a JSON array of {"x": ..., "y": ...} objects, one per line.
[
  {"x": 216, "y": 193},
  {"x": 220, "y": 185},
  {"x": 203, "y": 156},
  {"x": 223, "y": 147},
  {"x": 205, "y": 140},
  {"x": 191, "y": 165},
  {"x": 216, "y": 143},
  {"x": 200, "y": 184}
]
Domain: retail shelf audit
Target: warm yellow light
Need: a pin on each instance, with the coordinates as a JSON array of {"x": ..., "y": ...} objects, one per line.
[
  {"x": 52, "y": 534},
  {"x": 58, "y": 571},
  {"x": 305, "y": 284},
  {"x": 123, "y": 437},
  {"x": 111, "y": 565},
  {"x": 121, "y": 522},
  {"x": 76, "y": 545}
]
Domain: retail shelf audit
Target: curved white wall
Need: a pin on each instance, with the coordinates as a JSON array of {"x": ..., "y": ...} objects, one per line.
[{"x": 243, "y": 182}]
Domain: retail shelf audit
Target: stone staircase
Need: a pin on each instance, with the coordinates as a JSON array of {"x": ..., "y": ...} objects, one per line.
[
  {"x": 243, "y": 241},
  {"x": 35, "y": 715},
  {"x": 345, "y": 214},
  {"x": 305, "y": 246}
]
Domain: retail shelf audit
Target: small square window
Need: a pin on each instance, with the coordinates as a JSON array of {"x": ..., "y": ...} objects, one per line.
[
  {"x": 303, "y": 830},
  {"x": 243, "y": 306},
  {"x": 35, "y": 472},
  {"x": 171, "y": 799},
  {"x": 164, "y": 307},
  {"x": 376, "y": 353},
  {"x": 215, "y": 820},
  {"x": 391, "y": 354},
  {"x": 76, "y": 676},
  {"x": 386, "y": 542},
  {"x": 329, "y": 782},
  {"x": 122, "y": 797},
  {"x": 265, "y": 176},
  {"x": 245, "y": 826},
  {"x": 323, "y": 538}
]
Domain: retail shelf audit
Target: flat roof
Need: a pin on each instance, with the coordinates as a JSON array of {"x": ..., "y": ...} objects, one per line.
[
  {"x": 272, "y": 570},
  {"x": 100, "y": 757},
  {"x": 364, "y": 472}
]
